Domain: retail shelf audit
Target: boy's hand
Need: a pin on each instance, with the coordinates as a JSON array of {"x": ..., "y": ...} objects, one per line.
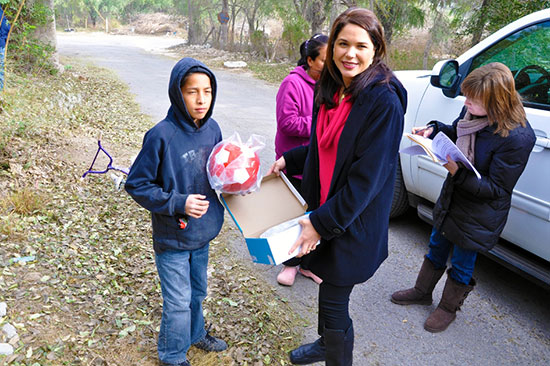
[
  {"x": 277, "y": 166},
  {"x": 196, "y": 205}
]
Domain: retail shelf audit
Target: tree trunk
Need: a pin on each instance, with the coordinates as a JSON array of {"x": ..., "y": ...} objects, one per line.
[
  {"x": 194, "y": 27},
  {"x": 429, "y": 43},
  {"x": 387, "y": 18},
  {"x": 93, "y": 15},
  {"x": 480, "y": 22},
  {"x": 313, "y": 11},
  {"x": 233, "y": 16},
  {"x": 316, "y": 15},
  {"x": 46, "y": 33},
  {"x": 242, "y": 31},
  {"x": 208, "y": 35},
  {"x": 334, "y": 12},
  {"x": 251, "y": 16},
  {"x": 427, "y": 49},
  {"x": 224, "y": 27}
]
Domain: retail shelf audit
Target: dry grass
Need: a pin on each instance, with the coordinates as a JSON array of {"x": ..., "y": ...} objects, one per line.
[{"x": 25, "y": 201}]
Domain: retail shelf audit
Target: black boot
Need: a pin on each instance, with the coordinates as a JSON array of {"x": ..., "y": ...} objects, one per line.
[
  {"x": 309, "y": 353},
  {"x": 339, "y": 347}
]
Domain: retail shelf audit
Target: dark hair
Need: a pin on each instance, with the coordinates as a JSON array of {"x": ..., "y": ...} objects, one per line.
[
  {"x": 331, "y": 78},
  {"x": 191, "y": 72},
  {"x": 310, "y": 48}
]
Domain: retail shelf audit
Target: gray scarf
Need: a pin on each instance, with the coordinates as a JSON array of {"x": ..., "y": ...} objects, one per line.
[{"x": 466, "y": 130}]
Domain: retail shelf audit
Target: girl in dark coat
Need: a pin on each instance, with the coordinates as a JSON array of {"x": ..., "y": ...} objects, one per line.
[
  {"x": 470, "y": 214},
  {"x": 348, "y": 173}
]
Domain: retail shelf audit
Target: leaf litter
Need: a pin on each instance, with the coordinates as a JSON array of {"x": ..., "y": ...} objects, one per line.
[{"x": 77, "y": 267}]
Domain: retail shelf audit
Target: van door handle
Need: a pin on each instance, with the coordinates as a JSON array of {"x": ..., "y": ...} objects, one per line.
[{"x": 543, "y": 142}]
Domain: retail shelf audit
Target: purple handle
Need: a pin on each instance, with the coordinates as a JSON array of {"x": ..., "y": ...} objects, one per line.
[{"x": 109, "y": 166}]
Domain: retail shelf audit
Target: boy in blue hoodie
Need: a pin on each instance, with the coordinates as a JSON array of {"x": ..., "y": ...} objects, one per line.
[{"x": 169, "y": 179}]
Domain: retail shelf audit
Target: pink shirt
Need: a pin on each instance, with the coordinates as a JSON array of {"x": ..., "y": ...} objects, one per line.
[
  {"x": 294, "y": 109},
  {"x": 330, "y": 124}
]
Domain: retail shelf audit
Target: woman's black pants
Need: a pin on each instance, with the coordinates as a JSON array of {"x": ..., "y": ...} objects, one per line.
[{"x": 334, "y": 307}]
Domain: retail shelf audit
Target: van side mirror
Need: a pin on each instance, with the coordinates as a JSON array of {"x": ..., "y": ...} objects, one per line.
[{"x": 446, "y": 77}]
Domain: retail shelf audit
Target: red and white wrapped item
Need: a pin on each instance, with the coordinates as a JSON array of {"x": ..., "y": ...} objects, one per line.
[{"x": 234, "y": 167}]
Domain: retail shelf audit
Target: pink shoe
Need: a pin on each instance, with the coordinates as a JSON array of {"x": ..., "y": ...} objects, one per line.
[
  {"x": 308, "y": 273},
  {"x": 287, "y": 275}
]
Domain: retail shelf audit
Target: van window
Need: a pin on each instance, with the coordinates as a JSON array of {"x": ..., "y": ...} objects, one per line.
[{"x": 526, "y": 54}]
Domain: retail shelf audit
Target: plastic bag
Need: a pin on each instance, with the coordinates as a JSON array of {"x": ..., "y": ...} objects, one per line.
[{"x": 234, "y": 167}]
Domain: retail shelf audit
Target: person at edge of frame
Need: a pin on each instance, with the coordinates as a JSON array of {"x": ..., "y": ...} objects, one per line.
[{"x": 4, "y": 31}]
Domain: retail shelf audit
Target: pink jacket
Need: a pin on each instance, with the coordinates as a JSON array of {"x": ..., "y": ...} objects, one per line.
[{"x": 294, "y": 110}]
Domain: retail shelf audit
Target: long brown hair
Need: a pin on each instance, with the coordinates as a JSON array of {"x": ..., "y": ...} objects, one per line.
[
  {"x": 331, "y": 78},
  {"x": 493, "y": 87}
]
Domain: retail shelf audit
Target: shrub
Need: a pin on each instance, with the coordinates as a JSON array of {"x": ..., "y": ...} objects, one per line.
[
  {"x": 25, "y": 51},
  {"x": 295, "y": 31}
]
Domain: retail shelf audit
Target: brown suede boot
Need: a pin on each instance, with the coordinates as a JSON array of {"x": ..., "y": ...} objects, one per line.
[
  {"x": 452, "y": 299},
  {"x": 421, "y": 293}
]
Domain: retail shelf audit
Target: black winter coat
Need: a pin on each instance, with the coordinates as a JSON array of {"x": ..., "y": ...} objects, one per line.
[
  {"x": 472, "y": 212},
  {"x": 353, "y": 222}
]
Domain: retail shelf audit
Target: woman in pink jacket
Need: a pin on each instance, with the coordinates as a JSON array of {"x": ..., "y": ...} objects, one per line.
[{"x": 294, "y": 110}]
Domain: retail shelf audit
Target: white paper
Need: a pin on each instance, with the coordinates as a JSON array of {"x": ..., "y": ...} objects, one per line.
[{"x": 441, "y": 146}]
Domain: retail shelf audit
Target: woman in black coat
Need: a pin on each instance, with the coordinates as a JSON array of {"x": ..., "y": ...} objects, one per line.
[
  {"x": 470, "y": 214},
  {"x": 348, "y": 173}
]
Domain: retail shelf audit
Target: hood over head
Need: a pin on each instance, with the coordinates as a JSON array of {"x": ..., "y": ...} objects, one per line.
[
  {"x": 302, "y": 72},
  {"x": 178, "y": 111}
]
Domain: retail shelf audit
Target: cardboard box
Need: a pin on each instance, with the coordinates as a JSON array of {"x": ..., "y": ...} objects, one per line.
[{"x": 276, "y": 202}]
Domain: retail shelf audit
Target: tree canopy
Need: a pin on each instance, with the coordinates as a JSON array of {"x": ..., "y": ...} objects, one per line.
[{"x": 275, "y": 28}]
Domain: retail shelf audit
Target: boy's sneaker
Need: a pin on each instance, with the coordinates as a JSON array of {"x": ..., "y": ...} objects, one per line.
[{"x": 211, "y": 344}]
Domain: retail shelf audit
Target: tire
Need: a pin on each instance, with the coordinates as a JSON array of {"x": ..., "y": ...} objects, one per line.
[{"x": 400, "y": 201}]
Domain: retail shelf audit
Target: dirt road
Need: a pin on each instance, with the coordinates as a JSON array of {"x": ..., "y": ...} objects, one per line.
[{"x": 505, "y": 320}]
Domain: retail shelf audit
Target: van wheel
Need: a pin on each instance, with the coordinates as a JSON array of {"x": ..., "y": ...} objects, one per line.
[{"x": 400, "y": 201}]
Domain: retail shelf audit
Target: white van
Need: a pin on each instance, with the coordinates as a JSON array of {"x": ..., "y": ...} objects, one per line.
[{"x": 524, "y": 46}]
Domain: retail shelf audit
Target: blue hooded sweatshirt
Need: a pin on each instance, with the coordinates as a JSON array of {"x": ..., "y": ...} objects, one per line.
[
  {"x": 172, "y": 165},
  {"x": 4, "y": 29}
]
